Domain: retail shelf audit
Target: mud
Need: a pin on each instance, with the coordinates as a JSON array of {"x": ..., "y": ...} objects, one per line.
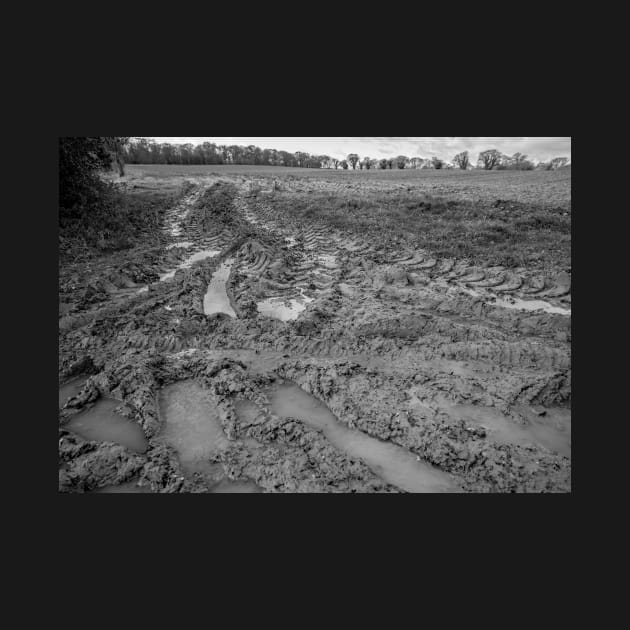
[{"x": 418, "y": 373}]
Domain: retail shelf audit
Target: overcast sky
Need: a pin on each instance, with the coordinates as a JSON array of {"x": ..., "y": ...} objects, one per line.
[{"x": 536, "y": 148}]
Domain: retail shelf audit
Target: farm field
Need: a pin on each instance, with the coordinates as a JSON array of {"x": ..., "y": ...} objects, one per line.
[{"x": 307, "y": 330}]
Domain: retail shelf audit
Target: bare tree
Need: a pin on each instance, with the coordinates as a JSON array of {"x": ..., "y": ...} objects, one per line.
[
  {"x": 462, "y": 160},
  {"x": 335, "y": 162},
  {"x": 489, "y": 159}
]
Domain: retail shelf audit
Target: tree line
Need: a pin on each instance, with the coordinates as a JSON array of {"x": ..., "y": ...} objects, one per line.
[{"x": 145, "y": 151}]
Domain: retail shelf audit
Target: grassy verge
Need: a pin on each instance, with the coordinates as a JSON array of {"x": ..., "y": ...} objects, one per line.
[{"x": 114, "y": 220}]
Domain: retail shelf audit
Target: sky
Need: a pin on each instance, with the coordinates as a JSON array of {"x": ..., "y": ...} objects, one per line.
[{"x": 536, "y": 148}]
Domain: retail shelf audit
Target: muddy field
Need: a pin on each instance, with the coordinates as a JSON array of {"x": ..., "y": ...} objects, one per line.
[{"x": 283, "y": 331}]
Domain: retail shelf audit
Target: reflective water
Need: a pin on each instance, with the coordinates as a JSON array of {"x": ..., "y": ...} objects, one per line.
[
  {"x": 127, "y": 487},
  {"x": 101, "y": 424},
  {"x": 216, "y": 299},
  {"x": 191, "y": 425},
  {"x": 392, "y": 463},
  {"x": 202, "y": 255},
  {"x": 70, "y": 389},
  {"x": 551, "y": 430},
  {"x": 227, "y": 485},
  {"x": 279, "y": 309}
]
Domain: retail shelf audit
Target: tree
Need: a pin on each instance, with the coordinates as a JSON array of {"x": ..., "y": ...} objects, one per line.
[
  {"x": 368, "y": 162},
  {"x": 344, "y": 165},
  {"x": 489, "y": 159},
  {"x": 353, "y": 158},
  {"x": 382, "y": 164},
  {"x": 437, "y": 163},
  {"x": 81, "y": 159},
  {"x": 335, "y": 162},
  {"x": 461, "y": 160},
  {"x": 558, "y": 162},
  {"x": 400, "y": 161}
]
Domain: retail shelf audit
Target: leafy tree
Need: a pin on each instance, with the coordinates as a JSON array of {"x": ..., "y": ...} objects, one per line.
[
  {"x": 382, "y": 164},
  {"x": 344, "y": 165},
  {"x": 368, "y": 162},
  {"x": 400, "y": 161},
  {"x": 437, "y": 163},
  {"x": 559, "y": 162},
  {"x": 353, "y": 158},
  {"x": 489, "y": 159},
  {"x": 462, "y": 160},
  {"x": 81, "y": 159}
]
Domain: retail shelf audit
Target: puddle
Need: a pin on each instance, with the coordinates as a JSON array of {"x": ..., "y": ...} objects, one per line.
[
  {"x": 216, "y": 299},
  {"x": 518, "y": 303},
  {"x": 552, "y": 430},
  {"x": 202, "y": 255},
  {"x": 192, "y": 425},
  {"x": 102, "y": 424},
  {"x": 531, "y": 305},
  {"x": 70, "y": 389},
  {"x": 277, "y": 307},
  {"x": 392, "y": 463},
  {"x": 180, "y": 244},
  {"x": 328, "y": 261},
  {"x": 227, "y": 485},
  {"x": 129, "y": 486}
]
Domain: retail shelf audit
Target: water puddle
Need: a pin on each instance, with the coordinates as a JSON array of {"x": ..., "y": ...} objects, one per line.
[
  {"x": 227, "y": 485},
  {"x": 328, "y": 261},
  {"x": 216, "y": 299},
  {"x": 531, "y": 305},
  {"x": 392, "y": 463},
  {"x": 551, "y": 430},
  {"x": 192, "y": 425},
  {"x": 127, "y": 487},
  {"x": 202, "y": 255},
  {"x": 279, "y": 309},
  {"x": 101, "y": 424},
  {"x": 70, "y": 389},
  {"x": 518, "y": 303}
]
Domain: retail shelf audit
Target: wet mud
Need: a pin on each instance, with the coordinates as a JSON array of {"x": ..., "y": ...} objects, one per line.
[{"x": 401, "y": 371}]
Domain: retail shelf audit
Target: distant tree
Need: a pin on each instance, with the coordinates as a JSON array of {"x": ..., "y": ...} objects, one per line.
[
  {"x": 344, "y": 165},
  {"x": 353, "y": 158},
  {"x": 390, "y": 163},
  {"x": 489, "y": 159},
  {"x": 559, "y": 162},
  {"x": 335, "y": 163},
  {"x": 367, "y": 162},
  {"x": 437, "y": 163},
  {"x": 461, "y": 160},
  {"x": 382, "y": 163},
  {"x": 401, "y": 161}
]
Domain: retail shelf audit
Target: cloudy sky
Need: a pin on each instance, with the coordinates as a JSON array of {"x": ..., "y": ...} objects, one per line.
[{"x": 536, "y": 148}]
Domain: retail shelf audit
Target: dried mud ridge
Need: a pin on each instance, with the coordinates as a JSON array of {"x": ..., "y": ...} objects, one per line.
[{"x": 435, "y": 356}]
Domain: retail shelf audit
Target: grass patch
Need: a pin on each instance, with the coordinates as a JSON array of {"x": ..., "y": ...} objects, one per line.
[{"x": 507, "y": 233}]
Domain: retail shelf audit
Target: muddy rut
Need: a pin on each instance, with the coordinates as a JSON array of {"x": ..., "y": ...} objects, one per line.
[{"x": 410, "y": 373}]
